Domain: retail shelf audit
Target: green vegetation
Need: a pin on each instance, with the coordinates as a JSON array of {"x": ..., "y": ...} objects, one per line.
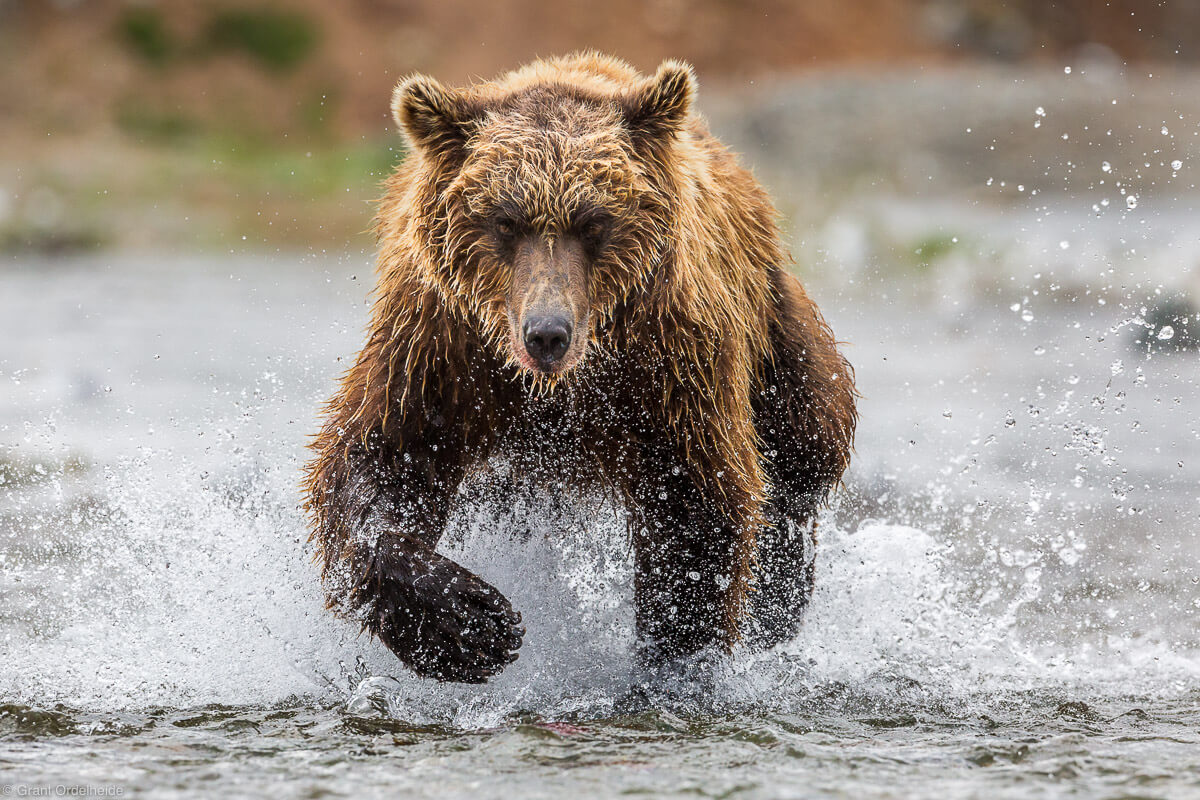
[
  {"x": 18, "y": 238},
  {"x": 205, "y": 191},
  {"x": 279, "y": 40},
  {"x": 154, "y": 127},
  {"x": 929, "y": 249},
  {"x": 144, "y": 33},
  {"x": 254, "y": 193},
  {"x": 315, "y": 172}
]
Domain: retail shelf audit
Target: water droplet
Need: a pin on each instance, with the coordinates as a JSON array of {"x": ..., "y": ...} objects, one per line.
[
  {"x": 1117, "y": 367},
  {"x": 1064, "y": 245},
  {"x": 1107, "y": 167},
  {"x": 1164, "y": 130},
  {"x": 1131, "y": 201},
  {"x": 1039, "y": 350},
  {"x": 1027, "y": 316},
  {"x": 1041, "y": 112},
  {"x": 1177, "y": 165},
  {"x": 1166, "y": 332}
]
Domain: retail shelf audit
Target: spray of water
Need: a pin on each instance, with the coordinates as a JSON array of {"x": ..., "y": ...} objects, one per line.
[{"x": 178, "y": 588}]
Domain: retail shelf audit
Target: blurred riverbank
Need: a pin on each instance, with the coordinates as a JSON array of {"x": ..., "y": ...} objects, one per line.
[{"x": 833, "y": 147}]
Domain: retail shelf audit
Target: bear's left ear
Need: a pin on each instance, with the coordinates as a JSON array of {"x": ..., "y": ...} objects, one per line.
[
  {"x": 433, "y": 117},
  {"x": 661, "y": 104}
]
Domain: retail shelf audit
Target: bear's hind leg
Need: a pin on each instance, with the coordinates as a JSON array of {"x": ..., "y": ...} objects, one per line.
[{"x": 804, "y": 413}]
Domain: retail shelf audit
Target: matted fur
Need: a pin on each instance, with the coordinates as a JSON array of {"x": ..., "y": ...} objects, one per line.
[{"x": 712, "y": 399}]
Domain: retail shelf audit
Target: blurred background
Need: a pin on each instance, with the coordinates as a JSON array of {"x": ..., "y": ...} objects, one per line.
[{"x": 210, "y": 124}]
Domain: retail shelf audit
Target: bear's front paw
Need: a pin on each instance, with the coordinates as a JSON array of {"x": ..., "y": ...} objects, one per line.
[{"x": 441, "y": 620}]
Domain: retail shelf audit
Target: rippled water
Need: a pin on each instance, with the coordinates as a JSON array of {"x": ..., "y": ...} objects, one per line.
[{"x": 1007, "y": 601}]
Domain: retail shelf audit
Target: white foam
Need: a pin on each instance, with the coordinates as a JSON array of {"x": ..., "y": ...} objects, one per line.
[{"x": 193, "y": 591}]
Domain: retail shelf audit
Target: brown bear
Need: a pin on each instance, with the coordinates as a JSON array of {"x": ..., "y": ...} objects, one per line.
[{"x": 575, "y": 275}]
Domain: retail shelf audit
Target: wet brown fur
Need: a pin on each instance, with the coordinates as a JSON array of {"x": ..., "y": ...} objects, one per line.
[{"x": 711, "y": 399}]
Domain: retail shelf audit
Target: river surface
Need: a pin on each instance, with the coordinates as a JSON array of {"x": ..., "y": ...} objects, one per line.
[{"x": 1007, "y": 603}]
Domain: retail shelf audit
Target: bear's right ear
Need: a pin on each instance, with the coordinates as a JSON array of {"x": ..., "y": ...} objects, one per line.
[{"x": 433, "y": 117}]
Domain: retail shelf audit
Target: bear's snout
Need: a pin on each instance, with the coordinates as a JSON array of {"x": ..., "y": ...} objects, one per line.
[
  {"x": 547, "y": 338},
  {"x": 548, "y": 303}
]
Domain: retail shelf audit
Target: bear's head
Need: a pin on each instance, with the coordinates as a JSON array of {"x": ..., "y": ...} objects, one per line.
[{"x": 540, "y": 208}]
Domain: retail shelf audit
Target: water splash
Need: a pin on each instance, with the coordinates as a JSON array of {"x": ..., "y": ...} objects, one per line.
[
  {"x": 178, "y": 589},
  {"x": 978, "y": 554}
]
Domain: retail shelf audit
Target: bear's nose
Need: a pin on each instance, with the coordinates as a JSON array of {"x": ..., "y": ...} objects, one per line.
[{"x": 547, "y": 338}]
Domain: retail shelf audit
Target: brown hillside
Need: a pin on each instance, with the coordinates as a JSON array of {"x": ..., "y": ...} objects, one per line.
[{"x": 90, "y": 64}]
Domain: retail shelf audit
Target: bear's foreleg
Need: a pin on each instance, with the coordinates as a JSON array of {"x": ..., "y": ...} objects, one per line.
[
  {"x": 685, "y": 559},
  {"x": 379, "y": 514},
  {"x": 440, "y": 619},
  {"x": 697, "y": 511}
]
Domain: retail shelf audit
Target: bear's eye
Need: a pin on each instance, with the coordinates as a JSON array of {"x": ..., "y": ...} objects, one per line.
[
  {"x": 506, "y": 227},
  {"x": 593, "y": 230}
]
